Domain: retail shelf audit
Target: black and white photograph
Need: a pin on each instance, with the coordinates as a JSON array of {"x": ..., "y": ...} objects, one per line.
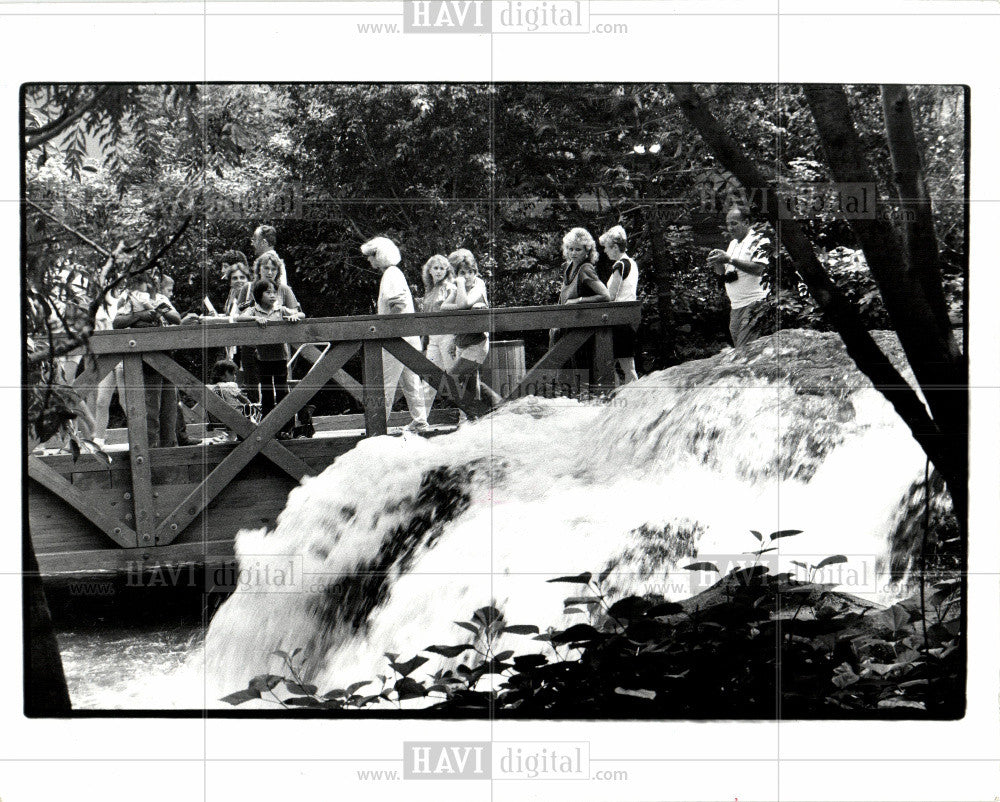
[
  {"x": 221, "y": 478},
  {"x": 484, "y": 418}
]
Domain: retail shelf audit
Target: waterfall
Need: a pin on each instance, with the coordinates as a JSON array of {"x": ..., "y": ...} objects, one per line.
[{"x": 403, "y": 536}]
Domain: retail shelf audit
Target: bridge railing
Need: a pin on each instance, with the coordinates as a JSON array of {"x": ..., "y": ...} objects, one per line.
[{"x": 141, "y": 350}]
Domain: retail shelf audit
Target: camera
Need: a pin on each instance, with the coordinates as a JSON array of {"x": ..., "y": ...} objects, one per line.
[{"x": 731, "y": 276}]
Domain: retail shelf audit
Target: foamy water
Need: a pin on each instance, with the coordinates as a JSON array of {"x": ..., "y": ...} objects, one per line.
[{"x": 554, "y": 487}]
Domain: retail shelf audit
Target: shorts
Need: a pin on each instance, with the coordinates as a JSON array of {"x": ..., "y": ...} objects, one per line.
[{"x": 475, "y": 353}]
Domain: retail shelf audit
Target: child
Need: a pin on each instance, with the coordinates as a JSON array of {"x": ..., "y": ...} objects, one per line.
[
  {"x": 272, "y": 359},
  {"x": 224, "y": 385}
]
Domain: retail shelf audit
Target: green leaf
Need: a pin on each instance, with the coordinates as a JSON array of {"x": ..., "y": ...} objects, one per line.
[
  {"x": 264, "y": 682},
  {"x": 470, "y": 627},
  {"x": 295, "y": 687},
  {"x": 629, "y": 607},
  {"x": 639, "y": 694},
  {"x": 301, "y": 701},
  {"x": 899, "y": 617},
  {"x": 336, "y": 693},
  {"x": 503, "y": 655},
  {"x": 606, "y": 572},
  {"x": 354, "y": 686},
  {"x": 834, "y": 560},
  {"x": 784, "y": 533},
  {"x": 757, "y": 535},
  {"x": 521, "y": 629},
  {"x": 577, "y": 632},
  {"x": 581, "y": 600},
  {"x": 702, "y": 567},
  {"x": 488, "y": 615},
  {"x": 579, "y": 579},
  {"x": 883, "y": 703},
  {"x": 409, "y": 666},
  {"x": 240, "y": 696},
  {"x": 408, "y": 688},
  {"x": 449, "y": 651}
]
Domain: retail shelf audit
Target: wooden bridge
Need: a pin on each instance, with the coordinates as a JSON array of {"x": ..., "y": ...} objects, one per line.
[{"x": 154, "y": 507}]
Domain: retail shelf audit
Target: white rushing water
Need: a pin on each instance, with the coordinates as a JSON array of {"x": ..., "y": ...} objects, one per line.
[{"x": 403, "y": 536}]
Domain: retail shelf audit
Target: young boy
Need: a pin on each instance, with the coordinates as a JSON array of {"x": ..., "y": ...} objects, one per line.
[
  {"x": 224, "y": 385},
  {"x": 272, "y": 358}
]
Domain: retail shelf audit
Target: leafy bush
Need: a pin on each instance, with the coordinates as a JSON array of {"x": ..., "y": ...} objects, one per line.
[{"x": 754, "y": 645}]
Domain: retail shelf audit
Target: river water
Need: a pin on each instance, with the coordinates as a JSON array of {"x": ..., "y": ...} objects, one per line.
[{"x": 401, "y": 537}]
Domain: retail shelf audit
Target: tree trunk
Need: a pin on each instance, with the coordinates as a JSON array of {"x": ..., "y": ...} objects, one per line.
[
  {"x": 661, "y": 264},
  {"x": 919, "y": 239},
  {"x": 908, "y": 278},
  {"x": 836, "y": 308},
  {"x": 45, "y": 691}
]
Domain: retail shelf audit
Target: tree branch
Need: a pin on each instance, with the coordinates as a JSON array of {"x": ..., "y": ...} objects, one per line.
[
  {"x": 836, "y": 308},
  {"x": 39, "y": 136},
  {"x": 70, "y": 229}
]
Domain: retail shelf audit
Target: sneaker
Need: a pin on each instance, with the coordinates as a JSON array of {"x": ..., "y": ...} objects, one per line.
[{"x": 417, "y": 426}]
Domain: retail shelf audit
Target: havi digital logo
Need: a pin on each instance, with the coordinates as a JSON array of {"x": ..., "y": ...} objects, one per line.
[
  {"x": 447, "y": 760},
  {"x": 447, "y": 16}
]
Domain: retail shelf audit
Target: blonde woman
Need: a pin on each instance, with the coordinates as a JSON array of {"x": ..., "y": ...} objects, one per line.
[
  {"x": 439, "y": 286},
  {"x": 580, "y": 285},
  {"x": 394, "y": 298}
]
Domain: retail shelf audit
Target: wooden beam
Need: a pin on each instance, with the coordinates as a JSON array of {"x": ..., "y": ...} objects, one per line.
[
  {"x": 428, "y": 371},
  {"x": 604, "y": 360},
  {"x": 374, "y": 390},
  {"x": 243, "y": 426},
  {"x": 567, "y": 345},
  {"x": 138, "y": 451},
  {"x": 62, "y": 566},
  {"x": 367, "y": 327},
  {"x": 311, "y": 354},
  {"x": 100, "y": 367},
  {"x": 119, "y": 532},
  {"x": 226, "y": 471}
]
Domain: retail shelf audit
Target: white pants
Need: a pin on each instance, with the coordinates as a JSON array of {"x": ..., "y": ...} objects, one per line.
[
  {"x": 439, "y": 353},
  {"x": 105, "y": 390},
  {"x": 394, "y": 373}
]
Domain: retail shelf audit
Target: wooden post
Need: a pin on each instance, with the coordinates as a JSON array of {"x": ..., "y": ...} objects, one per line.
[
  {"x": 374, "y": 390},
  {"x": 138, "y": 450},
  {"x": 604, "y": 360}
]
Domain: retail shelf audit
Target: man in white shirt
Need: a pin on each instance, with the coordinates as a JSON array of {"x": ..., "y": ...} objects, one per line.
[
  {"x": 394, "y": 298},
  {"x": 743, "y": 265}
]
